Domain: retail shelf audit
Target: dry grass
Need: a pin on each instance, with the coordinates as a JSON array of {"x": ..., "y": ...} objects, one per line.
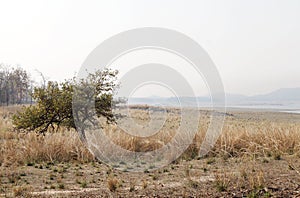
[
  {"x": 26, "y": 148},
  {"x": 112, "y": 183},
  {"x": 21, "y": 191},
  {"x": 30, "y": 148},
  {"x": 260, "y": 138},
  {"x": 239, "y": 138}
]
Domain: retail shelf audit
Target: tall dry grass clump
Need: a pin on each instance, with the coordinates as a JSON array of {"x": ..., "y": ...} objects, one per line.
[
  {"x": 259, "y": 138},
  {"x": 32, "y": 148},
  {"x": 22, "y": 148}
]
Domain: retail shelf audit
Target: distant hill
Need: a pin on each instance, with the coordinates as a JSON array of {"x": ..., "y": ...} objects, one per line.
[{"x": 279, "y": 97}]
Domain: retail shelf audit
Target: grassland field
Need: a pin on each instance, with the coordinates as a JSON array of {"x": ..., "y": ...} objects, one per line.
[{"x": 257, "y": 155}]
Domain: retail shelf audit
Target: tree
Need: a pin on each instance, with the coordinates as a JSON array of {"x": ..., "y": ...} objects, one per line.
[
  {"x": 55, "y": 106},
  {"x": 14, "y": 85}
]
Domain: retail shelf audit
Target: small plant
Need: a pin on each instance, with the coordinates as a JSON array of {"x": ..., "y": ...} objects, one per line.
[
  {"x": 20, "y": 191},
  {"x": 78, "y": 173},
  {"x": 244, "y": 174},
  {"x": 62, "y": 170},
  {"x": 222, "y": 182},
  {"x": 256, "y": 193},
  {"x": 132, "y": 186},
  {"x": 83, "y": 184},
  {"x": 221, "y": 187},
  {"x": 13, "y": 178},
  {"x": 187, "y": 172},
  {"x": 109, "y": 171},
  {"x": 253, "y": 194},
  {"x": 123, "y": 163},
  {"x": 155, "y": 177},
  {"x": 277, "y": 156},
  {"x": 265, "y": 160},
  {"x": 116, "y": 166},
  {"x": 267, "y": 194},
  {"x": 30, "y": 163},
  {"x": 193, "y": 184},
  {"x": 211, "y": 161},
  {"x": 77, "y": 181},
  {"x": 144, "y": 184},
  {"x": 51, "y": 177},
  {"x": 257, "y": 180},
  {"x": 61, "y": 186},
  {"x": 98, "y": 171},
  {"x": 112, "y": 184}
]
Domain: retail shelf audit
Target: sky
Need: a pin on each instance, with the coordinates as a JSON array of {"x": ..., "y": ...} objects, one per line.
[{"x": 255, "y": 44}]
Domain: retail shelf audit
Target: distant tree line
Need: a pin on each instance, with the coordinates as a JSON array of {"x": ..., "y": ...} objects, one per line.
[{"x": 15, "y": 86}]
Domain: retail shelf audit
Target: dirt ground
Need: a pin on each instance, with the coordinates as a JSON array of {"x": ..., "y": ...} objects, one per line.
[{"x": 209, "y": 177}]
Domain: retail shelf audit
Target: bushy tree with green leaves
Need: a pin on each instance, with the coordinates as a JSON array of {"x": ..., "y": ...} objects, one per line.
[{"x": 54, "y": 105}]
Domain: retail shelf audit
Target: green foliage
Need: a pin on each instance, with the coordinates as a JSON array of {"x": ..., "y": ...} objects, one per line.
[{"x": 53, "y": 106}]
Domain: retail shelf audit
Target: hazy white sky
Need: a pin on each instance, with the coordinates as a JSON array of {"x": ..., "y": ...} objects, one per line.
[{"x": 255, "y": 44}]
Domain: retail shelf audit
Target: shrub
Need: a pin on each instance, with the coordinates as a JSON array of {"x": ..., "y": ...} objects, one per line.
[{"x": 54, "y": 103}]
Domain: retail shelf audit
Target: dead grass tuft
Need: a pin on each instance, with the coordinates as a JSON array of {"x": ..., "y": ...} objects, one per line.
[
  {"x": 112, "y": 183},
  {"x": 22, "y": 191}
]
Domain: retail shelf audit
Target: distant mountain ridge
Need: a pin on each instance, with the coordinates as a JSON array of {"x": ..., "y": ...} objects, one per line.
[
  {"x": 284, "y": 94},
  {"x": 280, "y": 96}
]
